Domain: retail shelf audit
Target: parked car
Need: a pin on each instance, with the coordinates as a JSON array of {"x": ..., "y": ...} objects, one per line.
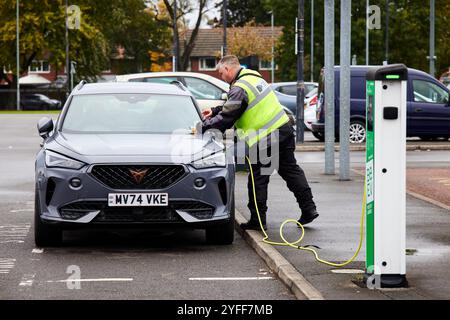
[
  {"x": 290, "y": 102},
  {"x": 290, "y": 88},
  {"x": 207, "y": 90},
  {"x": 112, "y": 159},
  {"x": 428, "y": 106},
  {"x": 37, "y": 101}
]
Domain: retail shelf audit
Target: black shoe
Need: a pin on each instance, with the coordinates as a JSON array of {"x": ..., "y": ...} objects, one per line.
[
  {"x": 252, "y": 225},
  {"x": 308, "y": 216}
]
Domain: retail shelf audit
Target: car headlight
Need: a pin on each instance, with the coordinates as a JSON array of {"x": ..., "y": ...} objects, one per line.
[
  {"x": 56, "y": 160},
  {"x": 214, "y": 160}
]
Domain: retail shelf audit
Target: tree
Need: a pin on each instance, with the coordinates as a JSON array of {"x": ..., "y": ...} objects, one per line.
[
  {"x": 104, "y": 26},
  {"x": 408, "y": 34},
  {"x": 241, "y": 12},
  {"x": 184, "y": 7},
  {"x": 254, "y": 43},
  {"x": 42, "y": 31}
]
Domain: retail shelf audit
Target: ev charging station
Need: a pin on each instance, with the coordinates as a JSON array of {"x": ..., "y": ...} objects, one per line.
[{"x": 386, "y": 107}]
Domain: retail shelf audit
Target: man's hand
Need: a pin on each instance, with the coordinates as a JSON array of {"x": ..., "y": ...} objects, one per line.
[{"x": 207, "y": 113}]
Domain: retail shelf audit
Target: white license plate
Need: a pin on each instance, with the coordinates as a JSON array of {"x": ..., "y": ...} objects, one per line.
[{"x": 137, "y": 199}]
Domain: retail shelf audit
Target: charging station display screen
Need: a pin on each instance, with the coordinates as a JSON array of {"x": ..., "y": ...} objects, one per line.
[{"x": 370, "y": 113}]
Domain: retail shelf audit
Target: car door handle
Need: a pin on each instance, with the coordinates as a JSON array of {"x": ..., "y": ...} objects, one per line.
[{"x": 418, "y": 110}]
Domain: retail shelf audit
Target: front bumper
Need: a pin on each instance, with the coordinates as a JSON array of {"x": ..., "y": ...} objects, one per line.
[
  {"x": 318, "y": 127},
  {"x": 87, "y": 205}
]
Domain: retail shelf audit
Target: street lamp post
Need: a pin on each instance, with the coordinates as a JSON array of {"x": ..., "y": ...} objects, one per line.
[
  {"x": 67, "y": 52},
  {"x": 17, "y": 55},
  {"x": 175, "y": 37},
  {"x": 312, "y": 41},
  {"x": 367, "y": 32},
  {"x": 387, "y": 33},
  {"x": 272, "y": 19},
  {"x": 225, "y": 9},
  {"x": 432, "y": 56},
  {"x": 300, "y": 23}
]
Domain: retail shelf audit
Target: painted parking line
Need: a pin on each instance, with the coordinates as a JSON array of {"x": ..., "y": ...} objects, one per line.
[
  {"x": 27, "y": 280},
  {"x": 37, "y": 250},
  {"x": 14, "y": 233},
  {"x": 230, "y": 278},
  {"x": 21, "y": 210},
  {"x": 6, "y": 264},
  {"x": 92, "y": 280}
]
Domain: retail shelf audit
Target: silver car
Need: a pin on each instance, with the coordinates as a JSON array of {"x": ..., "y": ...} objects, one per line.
[{"x": 126, "y": 154}]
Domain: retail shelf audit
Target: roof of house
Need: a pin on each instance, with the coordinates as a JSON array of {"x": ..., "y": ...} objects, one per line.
[{"x": 209, "y": 41}]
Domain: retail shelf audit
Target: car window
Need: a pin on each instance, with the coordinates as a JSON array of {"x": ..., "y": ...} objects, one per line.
[
  {"x": 309, "y": 88},
  {"x": 130, "y": 113},
  {"x": 290, "y": 90},
  {"x": 202, "y": 89},
  {"x": 425, "y": 91},
  {"x": 358, "y": 88},
  {"x": 165, "y": 80},
  {"x": 312, "y": 93}
]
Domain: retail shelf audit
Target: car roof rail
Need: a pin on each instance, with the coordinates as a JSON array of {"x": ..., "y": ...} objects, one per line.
[
  {"x": 81, "y": 84},
  {"x": 179, "y": 84}
]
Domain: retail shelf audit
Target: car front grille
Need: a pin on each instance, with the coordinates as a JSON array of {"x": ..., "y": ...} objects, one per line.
[
  {"x": 143, "y": 177},
  {"x": 76, "y": 210}
]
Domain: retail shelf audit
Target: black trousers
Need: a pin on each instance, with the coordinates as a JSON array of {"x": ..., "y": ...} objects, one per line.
[{"x": 288, "y": 169}]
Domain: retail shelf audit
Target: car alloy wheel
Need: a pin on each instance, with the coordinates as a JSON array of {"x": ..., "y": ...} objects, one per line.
[{"x": 357, "y": 132}]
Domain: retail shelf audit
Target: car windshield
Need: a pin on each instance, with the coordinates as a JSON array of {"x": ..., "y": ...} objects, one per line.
[{"x": 130, "y": 113}]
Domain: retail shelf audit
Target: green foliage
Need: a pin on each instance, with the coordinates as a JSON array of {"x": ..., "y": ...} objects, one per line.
[
  {"x": 408, "y": 33},
  {"x": 42, "y": 33},
  {"x": 240, "y": 12},
  {"x": 105, "y": 24}
]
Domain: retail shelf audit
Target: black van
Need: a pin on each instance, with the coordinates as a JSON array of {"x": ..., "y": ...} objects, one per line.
[{"x": 428, "y": 103}]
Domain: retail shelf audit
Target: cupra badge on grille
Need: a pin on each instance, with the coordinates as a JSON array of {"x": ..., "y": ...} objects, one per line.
[{"x": 138, "y": 175}]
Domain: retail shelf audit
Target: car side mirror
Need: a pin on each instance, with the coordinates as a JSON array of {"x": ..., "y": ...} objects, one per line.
[
  {"x": 224, "y": 96},
  {"x": 45, "y": 126}
]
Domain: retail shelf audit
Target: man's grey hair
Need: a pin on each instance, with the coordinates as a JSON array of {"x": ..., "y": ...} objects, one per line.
[{"x": 230, "y": 61}]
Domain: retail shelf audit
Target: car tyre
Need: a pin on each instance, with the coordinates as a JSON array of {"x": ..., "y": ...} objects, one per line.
[
  {"x": 224, "y": 233},
  {"x": 428, "y": 138},
  {"x": 44, "y": 235},
  {"x": 319, "y": 136}
]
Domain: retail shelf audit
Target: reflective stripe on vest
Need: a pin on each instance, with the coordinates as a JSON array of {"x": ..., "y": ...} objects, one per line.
[{"x": 264, "y": 113}]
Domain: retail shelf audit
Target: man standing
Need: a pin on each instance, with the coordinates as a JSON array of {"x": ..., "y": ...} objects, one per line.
[{"x": 253, "y": 108}]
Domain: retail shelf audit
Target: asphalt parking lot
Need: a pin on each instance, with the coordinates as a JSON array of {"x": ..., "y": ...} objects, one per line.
[{"x": 112, "y": 265}]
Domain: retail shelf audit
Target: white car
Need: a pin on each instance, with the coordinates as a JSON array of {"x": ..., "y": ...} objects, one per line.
[
  {"x": 310, "y": 113},
  {"x": 207, "y": 90}
]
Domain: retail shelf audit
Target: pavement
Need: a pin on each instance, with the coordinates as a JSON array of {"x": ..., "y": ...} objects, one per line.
[
  {"x": 412, "y": 144},
  {"x": 336, "y": 231},
  {"x": 112, "y": 264}
]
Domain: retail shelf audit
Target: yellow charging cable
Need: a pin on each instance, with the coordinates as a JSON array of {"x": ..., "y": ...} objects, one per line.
[{"x": 295, "y": 243}]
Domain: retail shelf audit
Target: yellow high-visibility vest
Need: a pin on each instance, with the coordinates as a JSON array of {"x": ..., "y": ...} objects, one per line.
[{"x": 264, "y": 113}]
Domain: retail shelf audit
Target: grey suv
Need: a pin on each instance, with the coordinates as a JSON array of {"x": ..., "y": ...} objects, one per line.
[{"x": 124, "y": 154}]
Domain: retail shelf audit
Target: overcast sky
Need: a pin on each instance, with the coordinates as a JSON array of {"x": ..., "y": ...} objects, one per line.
[{"x": 211, "y": 13}]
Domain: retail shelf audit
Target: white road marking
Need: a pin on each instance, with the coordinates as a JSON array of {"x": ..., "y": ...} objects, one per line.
[
  {"x": 21, "y": 210},
  {"x": 37, "y": 250},
  {"x": 6, "y": 264},
  {"x": 230, "y": 278},
  {"x": 92, "y": 280},
  {"x": 27, "y": 280},
  {"x": 14, "y": 233},
  {"x": 347, "y": 271}
]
